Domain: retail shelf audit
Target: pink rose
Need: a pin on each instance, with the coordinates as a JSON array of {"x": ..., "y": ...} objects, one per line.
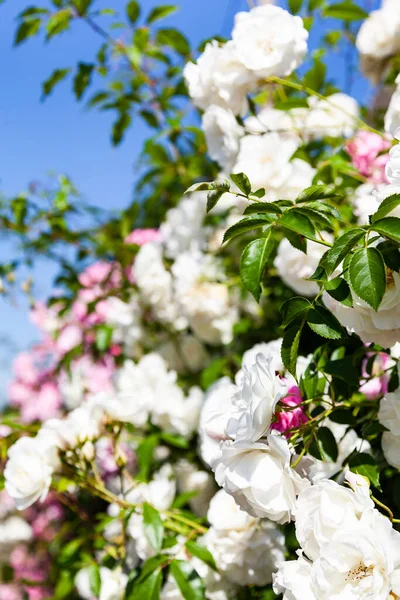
[
  {"x": 143, "y": 236},
  {"x": 10, "y": 592},
  {"x": 378, "y": 385},
  {"x": 290, "y": 419},
  {"x": 366, "y": 150},
  {"x": 70, "y": 337}
]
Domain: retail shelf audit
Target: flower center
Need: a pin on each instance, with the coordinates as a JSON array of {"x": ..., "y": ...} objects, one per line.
[{"x": 359, "y": 572}]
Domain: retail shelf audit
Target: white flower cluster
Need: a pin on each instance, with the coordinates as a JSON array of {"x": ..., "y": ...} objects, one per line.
[
  {"x": 381, "y": 326},
  {"x": 265, "y": 41},
  {"x": 246, "y": 549},
  {"x": 348, "y": 549},
  {"x": 379, "y": 38},
  {"x": 191, "y": 294},
  {"x": 248, "y": 448},
  {"x": 138, "y": 389},
  {"x": 136, "y": 398}
]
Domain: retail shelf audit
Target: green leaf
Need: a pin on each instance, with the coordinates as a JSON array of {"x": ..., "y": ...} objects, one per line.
[
  {"x": 175, "y": 440},
  {"x": 324, "y": 207},
  {"x": 262, "y": 207},
  {"x": 95, "y": 580},
  {"x": 202, "y": 553},
  {"x": 148, "y": 588},
  {"x": 295, "y": 6},
  {"x": 388, "y": 227},
  {"x": 58, "y": 22},
  {"x": 299, "y": 223},
  {"x": 246, "y": 224},
  {"x": 296, "y": 240},
  {"x": 65, "y": 585},
  {"x": 318, "y": 192},
  {"x": 343, "y": 416},
  {"x": 56, "y": 76},
  {"x": 391, "y": 255},
  {"x": 341, "y": 248},
  {"x": 144, "y": 453},
  {"x": 290, "y": 348},
  {"x": 103, "y": 337},
  {"x": 150, "y": 118},
  {"x": 314, "y": 78},
  {"x": 323, "y": 322},
  {"x": 368, "y": 276},
  {"x": 153, "y": 526},
  {"x": 344, "y": 369},
  {"x": 26, "y": 30},
  {"x": 316, "y": 217},
  {"x": 364, "y": 464},
  {"x": 293, "y": 308},
  {"x": 174, "y": 39},
  {"x": 386, "y": 206},
  {"x": 82, "y": 78},
  {"x": 160, "y": 12},
  {"x": 339, "y": 289},
  {"x": 212, "y": 198},
  {"x": 119, "y": 127},
  {"x": 133, "y": 11},
  {"x": 348, "y": 11},
  {"x": 327, "y": 444},
  {"x": 242, "y": 182},
  {"x": 252, "y": 263},
  {"x": 187, "y": 580}
]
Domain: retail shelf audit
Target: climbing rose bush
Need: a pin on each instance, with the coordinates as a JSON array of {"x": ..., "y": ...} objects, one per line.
[{"x": 211, "y": 410}]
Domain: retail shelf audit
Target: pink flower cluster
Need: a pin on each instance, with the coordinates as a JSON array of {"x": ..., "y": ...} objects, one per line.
[
  {"x": 290, "y": 419},
  {"x": 375, "y": 385},
  {"x": 143, "y": 236},
  {"x": 34, "y": 389},
  {"x": 368, "y": 156},
  {"x": 31, "y": 567},
  {"x": 45, "y": 518}
]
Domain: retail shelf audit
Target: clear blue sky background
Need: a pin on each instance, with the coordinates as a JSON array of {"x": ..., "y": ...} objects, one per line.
[{"x": 59, "y": 135}]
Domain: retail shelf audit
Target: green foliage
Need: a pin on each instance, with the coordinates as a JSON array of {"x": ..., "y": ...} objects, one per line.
[
  {"x": 253, "y": 261},
  {"x": 187, "y": 580},
  {"x": 153, "y": 526},
  {"x": 368, "y": 276}
]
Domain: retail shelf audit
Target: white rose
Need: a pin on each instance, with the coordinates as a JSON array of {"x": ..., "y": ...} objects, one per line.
[
  {"x": 322, "y": 510},
  {"x": 219, "y": 78},
  {"x": 270, "y": 41},
  {"x": 177, "y": 414},
  {"x": 381, "y": 326},
  {"x": 335, "y": 116},
  {"x": 265, "y": 159},
  {"x": 294, "y": 267},
  {"x": 182, "y": 229},
  {"x": 389, "y": 412},
  {"x": 255, "y": 401},
  {"x": 245, "y": 549},
  {"x": 293, "y": 580},
  {"x": 222, "y": 135},
  {"x": 391, "y": 448},
  {"x": 125, "y": 319},
  {"x": 392, "y": 117},
  {"x": 214, "y": 417},
  {"x": 80, "y": 425},
  {"x": 155, "y": 284},
  {"x": 113, "y": 584},
  {"x": 14, "y": 530},
  {"x": 359, "y": 562},
  {"x": 259, "y": 477},
  {"x": 133, "y": 399},
  {"x": 378, "y": 36},
  {"x": 29, "y": 469},
  {"x": 366, "y": 202},
  {"x": 393, "y": 169}
]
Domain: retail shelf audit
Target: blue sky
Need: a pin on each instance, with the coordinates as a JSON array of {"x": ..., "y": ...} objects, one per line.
[{"x": 59, "y": 135}]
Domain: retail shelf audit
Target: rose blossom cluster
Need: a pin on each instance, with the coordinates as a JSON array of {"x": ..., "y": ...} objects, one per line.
[{"x": 347, "y": 548}]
